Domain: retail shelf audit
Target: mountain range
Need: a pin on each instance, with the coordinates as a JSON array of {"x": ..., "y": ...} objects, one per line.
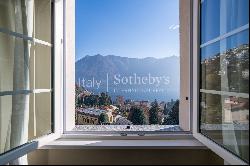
[{"x": 134, "y": 78}]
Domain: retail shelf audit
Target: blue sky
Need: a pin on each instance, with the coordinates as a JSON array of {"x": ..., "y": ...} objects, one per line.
[{"x": 127, "y": 28}]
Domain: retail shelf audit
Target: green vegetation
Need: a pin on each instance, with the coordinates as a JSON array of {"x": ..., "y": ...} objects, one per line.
[
  {"x": 104, "y": 99},
  {"x": 83, "y": 97},
  {"x": 78, "y": 99},
  {"x": 103, "y": 118},
  {"x": 92, "y": 100},
  {"x": 173, "y": 116},
  {"x": 98, "y": 100},
  {"x": 136, "y": 116},
  {"x": 153, "y": 113}
]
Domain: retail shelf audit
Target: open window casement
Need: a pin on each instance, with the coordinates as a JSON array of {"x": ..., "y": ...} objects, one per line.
[
  {"x": 31, "y": 37},
  {"x": 74, "y": 121},
  {"x": 220, "y": 86},
  {"x": 62, "y": 86}
]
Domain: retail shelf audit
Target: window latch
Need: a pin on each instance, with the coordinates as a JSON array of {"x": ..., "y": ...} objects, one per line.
[
  {"x": 141, "y": 134},
  {"x": 124, "y": 134}
]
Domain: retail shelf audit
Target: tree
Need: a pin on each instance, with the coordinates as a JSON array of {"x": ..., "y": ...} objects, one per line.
[
  {"x": 166, "y": 109},
  {"x": 91, "y": 100},
  {"x": 78, "y": 98},
  {"x": 104, "y": 99},
  {"x": 136, "y": 116},
  {"x": 103, "y": 118},
  {"x": 173, "y": 116},
  {"x": 79, "y": 90},
  {"x": 153, "y": 113}
]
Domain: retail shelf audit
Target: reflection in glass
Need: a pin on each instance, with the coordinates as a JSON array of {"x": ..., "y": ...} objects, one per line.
[
  {"x": 225, "y": 119},
  {"x": 224, "y": 73},
  {"x": 225, "y": 64},
  {"x": 222, "y": 16}
]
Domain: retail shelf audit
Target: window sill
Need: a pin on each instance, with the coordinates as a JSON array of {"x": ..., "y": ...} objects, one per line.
[{"x": 74, "y": 143}]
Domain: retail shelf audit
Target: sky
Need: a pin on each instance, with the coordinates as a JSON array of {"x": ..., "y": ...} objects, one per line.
[{"x": 127, "y": 28}]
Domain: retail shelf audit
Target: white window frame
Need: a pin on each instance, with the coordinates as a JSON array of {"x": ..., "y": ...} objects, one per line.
[
  {"x": 68, "y": 93},
  {"x": 64, "y": 91},
  {"x": 69, "y": 88},
  {"x": 228, "y": 157},
  {"x": 57, "y": 91}
]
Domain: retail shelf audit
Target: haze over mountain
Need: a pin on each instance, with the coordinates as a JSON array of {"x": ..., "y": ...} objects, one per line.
[{"x": 133, "y": 78}]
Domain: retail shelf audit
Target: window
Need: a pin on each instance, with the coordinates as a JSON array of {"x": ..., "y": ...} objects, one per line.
[
  {"x": 30, "y": 48},
  {"x": 26, "y": 77},
  {"x": 128, "y": 68},
  {"x": 224, "y": 74}
]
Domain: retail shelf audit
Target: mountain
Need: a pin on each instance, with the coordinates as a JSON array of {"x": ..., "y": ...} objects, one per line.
[{"x": 135, "y": 79}]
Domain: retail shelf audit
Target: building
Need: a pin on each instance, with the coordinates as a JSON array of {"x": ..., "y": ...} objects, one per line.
[
  {"x": 236, "y": 110},
  {"x": 90, "y": 116},
  {"x": 37, "y": 77},
  {"x": 120, "y": 101},
  {"x": 119, "y": 120}
]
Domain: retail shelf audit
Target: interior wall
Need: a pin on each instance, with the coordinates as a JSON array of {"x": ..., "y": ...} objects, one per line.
[
  {"x": 38, "y": 157},
  {"x": 125, "y": 157}
]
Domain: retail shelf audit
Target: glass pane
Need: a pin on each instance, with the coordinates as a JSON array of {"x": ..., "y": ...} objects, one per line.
[
  {"x": 42, "y": 20},
  {"x": 6, "y": 62},
  {"x": 225, "y": 64},
  {"x": 40, "y": 64},
  {"x": 222, "y": 16},
  {"x": 32, "y": 18},
  {"x": 14, "y": 62},
  {"x": 40, "y": 122},
  {"x": 23, "y": 64},
  {"x": 224, "y": 69},
  {"x": 225, "y": 120},
  {"x": 23, "y": 118}
]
